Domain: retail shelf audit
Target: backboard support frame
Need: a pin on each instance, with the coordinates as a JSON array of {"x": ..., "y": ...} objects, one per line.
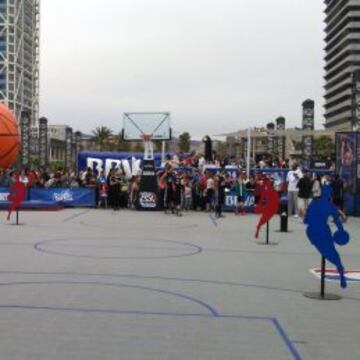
[{"x": 138, "y": 124}]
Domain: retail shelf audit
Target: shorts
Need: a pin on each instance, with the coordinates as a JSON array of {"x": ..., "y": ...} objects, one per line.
[
  {"x": 209, "y": 196},
  {"x": 338, "y": 202},
  {"x": 303, "y": 203}
]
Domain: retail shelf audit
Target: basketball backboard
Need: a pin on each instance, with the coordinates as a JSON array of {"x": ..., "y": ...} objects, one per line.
[{"x": 156, "y": 124}]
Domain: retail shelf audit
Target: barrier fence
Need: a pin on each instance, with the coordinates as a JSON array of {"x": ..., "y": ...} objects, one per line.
[{"x": 74, "y": 197}]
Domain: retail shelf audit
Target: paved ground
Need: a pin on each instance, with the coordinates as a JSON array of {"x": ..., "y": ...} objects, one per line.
[{"x": 95, "y": 284}]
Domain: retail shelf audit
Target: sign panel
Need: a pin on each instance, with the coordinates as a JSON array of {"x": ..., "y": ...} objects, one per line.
[
  {"x": 346, "y": 166},
  {"x": 308, "y": 124},
  {"x": 25, "y": 122},
  {"x": 77, "y": 197},
  {"x": 148, "y": 192},
  {"x": 43, "y": 142}
]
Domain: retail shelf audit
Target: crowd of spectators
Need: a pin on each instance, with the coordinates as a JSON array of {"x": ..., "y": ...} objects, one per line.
[{"x": 185, "y": 183}]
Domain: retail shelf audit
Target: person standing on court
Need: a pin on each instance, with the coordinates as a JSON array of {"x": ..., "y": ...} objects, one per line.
[
  {"x": 337, "y": 186},
  {"x": 305, "y": 186},
  {"x": 220, "y": 198},
  {"x": 292, "y": 180}
]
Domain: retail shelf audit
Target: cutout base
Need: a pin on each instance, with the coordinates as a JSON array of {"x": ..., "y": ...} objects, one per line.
[
  {"x": 265, "y": 243},
  {"x": 318, "y": 296}
]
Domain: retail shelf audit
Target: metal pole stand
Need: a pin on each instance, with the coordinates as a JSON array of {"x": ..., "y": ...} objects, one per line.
[
  {"x": 17, "y": 216},
  {"x": 284, "y": 217},
  {"x": 322, "y": 295},
  {"x": 148, "y": 147},
  {"x": 267, "y": 242}
]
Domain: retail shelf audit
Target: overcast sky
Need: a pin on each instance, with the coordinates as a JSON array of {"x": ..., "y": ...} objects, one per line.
[{"x": 217, "y": 66}]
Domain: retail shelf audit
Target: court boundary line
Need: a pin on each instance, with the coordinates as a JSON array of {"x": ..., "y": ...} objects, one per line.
[{"x": 279, "y": 329}]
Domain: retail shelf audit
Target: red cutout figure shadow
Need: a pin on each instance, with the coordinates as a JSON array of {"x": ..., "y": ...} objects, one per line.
[
  {"x": 16, "y": 197},
  {"x": 268, "y": 205}
]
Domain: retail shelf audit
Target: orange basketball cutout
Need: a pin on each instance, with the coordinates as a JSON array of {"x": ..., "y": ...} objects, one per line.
[{"x": 9, "y": 138}]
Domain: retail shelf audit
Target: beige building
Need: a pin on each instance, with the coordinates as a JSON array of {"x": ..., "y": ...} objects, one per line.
[{"x": 288, "y": 141}]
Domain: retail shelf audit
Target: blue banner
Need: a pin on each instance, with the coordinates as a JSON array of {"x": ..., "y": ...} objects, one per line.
[
  {"x": 76, "y": 197},
  {"x": 130, "y": 162},
  {"x": 231, "y": 201}
]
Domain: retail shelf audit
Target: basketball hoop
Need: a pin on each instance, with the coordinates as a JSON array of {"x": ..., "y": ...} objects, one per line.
[{"x": 146, "y": 137}]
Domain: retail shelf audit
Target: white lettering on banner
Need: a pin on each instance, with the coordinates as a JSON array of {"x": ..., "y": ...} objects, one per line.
[
  {"x": 90, "y": 162},
  {"x": 126, "y": 167},
  {"x": 4, "y": 196},
  {"x": 133, "y": 170},
  {"x": 111, "y": 164},
  {"x": 250, "y": 201},
  {"x": 231, "y": 200},
  {"x": 65, "y": 196},
  {"x": 136, "y": 166}
]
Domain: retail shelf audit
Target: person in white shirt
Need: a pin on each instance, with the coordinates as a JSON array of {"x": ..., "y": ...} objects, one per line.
[
  {"x": 210, "y": 191},
  {"x": 23, "y": 178},
  {"x": 292, "y": 180}
]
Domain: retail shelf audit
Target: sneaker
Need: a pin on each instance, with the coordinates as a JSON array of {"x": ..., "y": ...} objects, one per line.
[{"x": 296, "y": 216}]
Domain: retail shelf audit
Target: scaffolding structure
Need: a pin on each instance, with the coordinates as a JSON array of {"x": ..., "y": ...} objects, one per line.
[{"x": 19, "y": 56}]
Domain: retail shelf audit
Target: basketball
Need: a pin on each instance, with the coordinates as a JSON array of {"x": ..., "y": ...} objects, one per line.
[
  {"x": 9, "y": 138},
  {"x": 341, "y": 237}
]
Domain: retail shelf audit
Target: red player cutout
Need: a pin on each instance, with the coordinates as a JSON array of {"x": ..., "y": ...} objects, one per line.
[
  {"x": 268, "y": 204},
  {"x": 16, "y": 197}
]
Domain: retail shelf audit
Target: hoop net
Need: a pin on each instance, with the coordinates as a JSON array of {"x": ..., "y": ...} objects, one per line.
[{"x": 146, "y": 137}]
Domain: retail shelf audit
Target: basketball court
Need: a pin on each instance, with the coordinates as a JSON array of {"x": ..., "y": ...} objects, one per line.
[{"x": 96, "y": 284}]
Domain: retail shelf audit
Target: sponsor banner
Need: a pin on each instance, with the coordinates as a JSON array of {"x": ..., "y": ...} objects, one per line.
[
  {"x": 231, "y": 201},
  {"x": 333, "y": 275},
  {"x": 320, "y": 164},
  {"x": 77, "y": 197},
  {"x": 147, "y": 200},
  {"x": 230, "y": 170},
  {"x": 130, "y": 162}
]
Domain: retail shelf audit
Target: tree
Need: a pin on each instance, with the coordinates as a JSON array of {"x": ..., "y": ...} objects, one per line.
[
  {"x": 102, "y": 136},
  {"x": 324, "y": 146},
  {"x": 184, "y": 142}
]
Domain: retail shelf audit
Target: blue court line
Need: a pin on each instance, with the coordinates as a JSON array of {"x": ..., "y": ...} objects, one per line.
[
  {"x": 209, "y": 308},
  {"x": 164, "y": 278},
  {"x": 286, "y": 339},
  {"x": 164, "y": 226},
  {"x": 275, "y": 252},
  {"x": 213, "y": 220},
  {"x": 197, "y": 250},
  {"x": 279, "y": 329},
  {"x": 211, "y": 311},
  {"x": 72, "y": 217}
]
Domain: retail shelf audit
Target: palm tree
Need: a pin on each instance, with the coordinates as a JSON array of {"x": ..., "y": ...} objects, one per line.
[{"x": 101, "y": 136}]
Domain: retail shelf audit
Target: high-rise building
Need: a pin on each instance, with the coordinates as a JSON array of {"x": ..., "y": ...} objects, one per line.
[
  {"x": 342, "y": 59},
  {"x": 19, "y": 56}
]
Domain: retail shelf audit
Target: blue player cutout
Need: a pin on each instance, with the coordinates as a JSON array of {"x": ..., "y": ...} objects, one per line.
[{"x": 319, "y": 232}]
